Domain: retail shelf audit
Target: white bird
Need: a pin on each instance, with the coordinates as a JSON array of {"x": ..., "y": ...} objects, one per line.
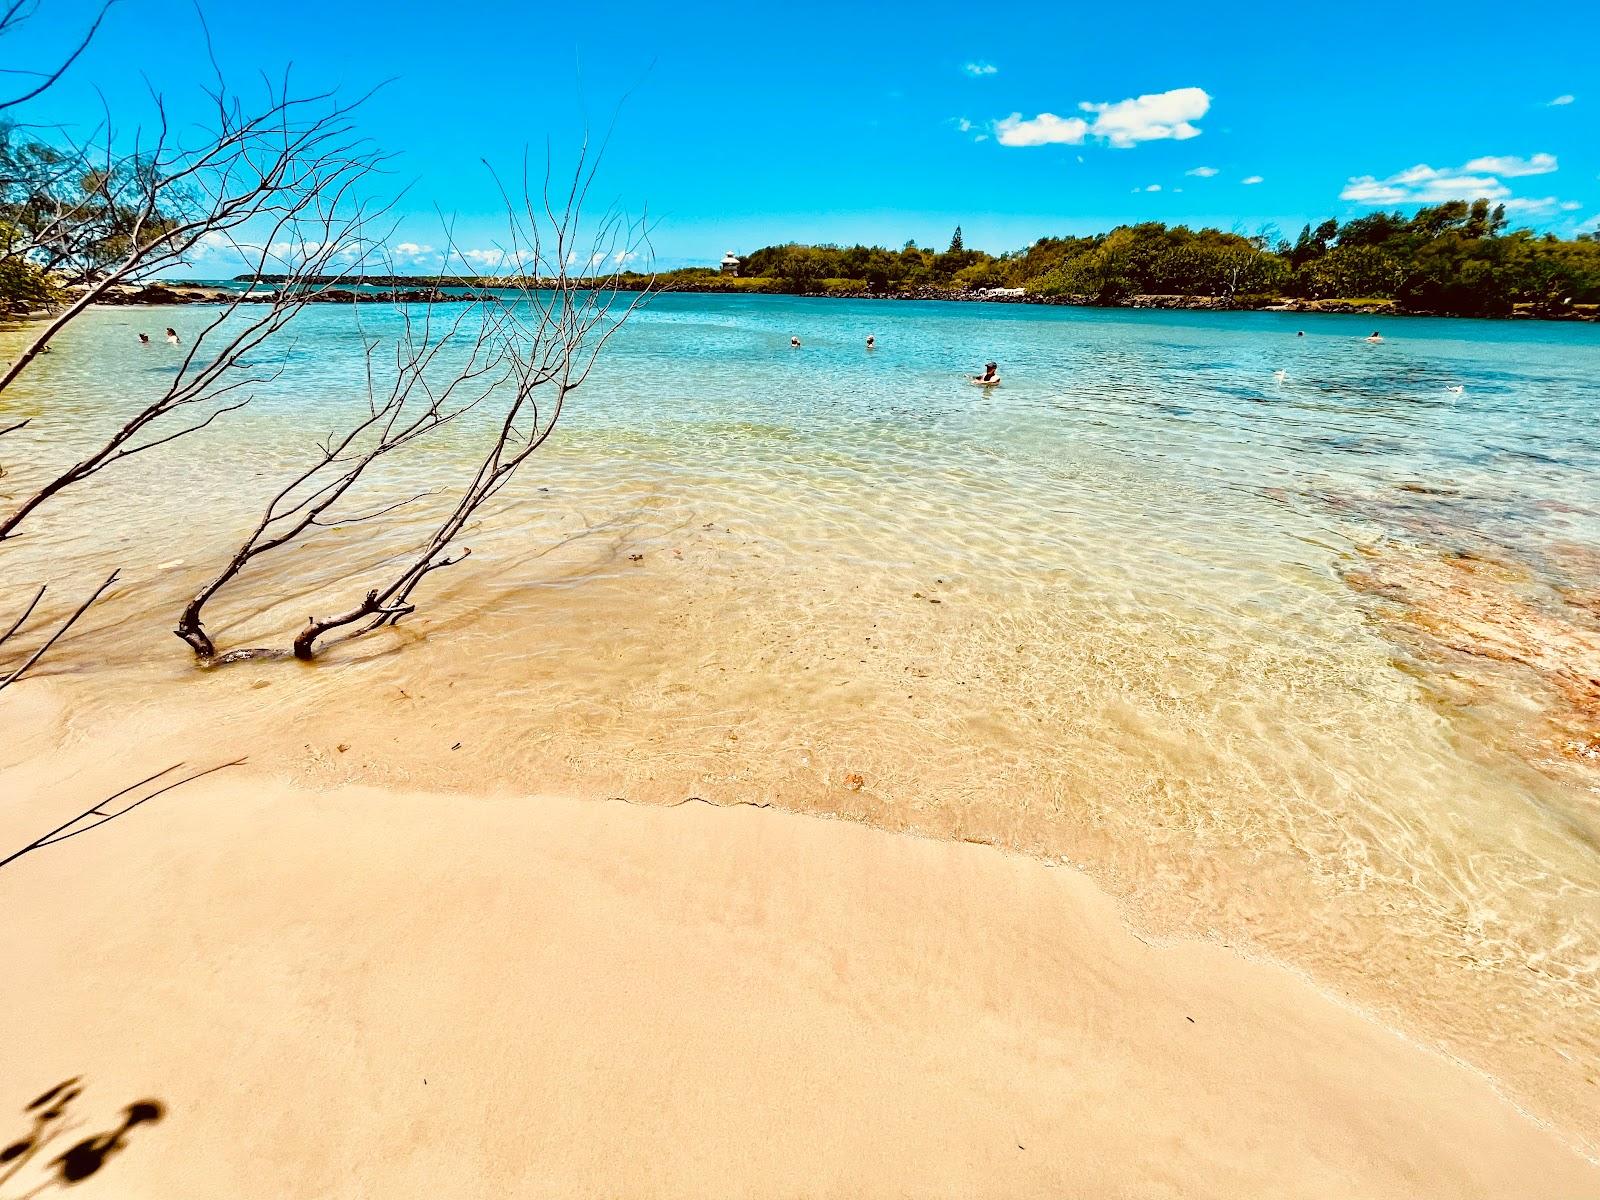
[
  {"x": 1455, "y": 389},
  {"x": 1280, "y": 375}
]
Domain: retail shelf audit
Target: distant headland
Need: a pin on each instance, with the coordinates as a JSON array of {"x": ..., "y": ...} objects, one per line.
[{"x": 1453, "y": 259}]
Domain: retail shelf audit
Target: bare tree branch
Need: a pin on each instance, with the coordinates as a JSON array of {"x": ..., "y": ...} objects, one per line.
[
  {"x": 555, "y": 331},
  {"x": 413, "y": 408},
  {"x": 288, "y": 172},
  {"x": 15, "y": 15}
]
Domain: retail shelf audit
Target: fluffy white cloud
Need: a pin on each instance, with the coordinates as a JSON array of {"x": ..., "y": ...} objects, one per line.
[
  {"x": 1154, "y": 187},
  {"x": 1202, "y": 172},
  {"x": 483, "y": 258},
  {"x": 212, "y": 242},
  {"x": 1478, "y": 179},
  {"x": 979, "y": 69},
  {"x": 1251, "y": 179},
  {"x": 1150, "y": 118},
  {"x": 1561, "y": 100},
  {"x": 1123, "y": 124},
  {"x": 1541, "y": 206},
  {"x": 1046, "y": 129},
  {"x": 1423, "y": 184},
  {"x": 1511, "y": 166},
  {"x": 412, "y": 252}
]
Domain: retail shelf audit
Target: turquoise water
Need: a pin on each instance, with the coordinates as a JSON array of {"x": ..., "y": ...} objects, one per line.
[{"x": 1299, "y": 661}]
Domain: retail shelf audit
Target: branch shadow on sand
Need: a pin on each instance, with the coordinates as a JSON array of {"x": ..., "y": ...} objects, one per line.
[
  {"x": 118, "y": 804},
  {"x": 44, "y": 1158}
]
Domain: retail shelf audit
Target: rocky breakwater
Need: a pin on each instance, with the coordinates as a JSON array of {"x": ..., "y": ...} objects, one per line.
[{"x": 161, "y": 293}]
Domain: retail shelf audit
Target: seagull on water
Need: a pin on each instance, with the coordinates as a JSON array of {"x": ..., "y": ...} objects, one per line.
[{"x": 1455, "y": 389}]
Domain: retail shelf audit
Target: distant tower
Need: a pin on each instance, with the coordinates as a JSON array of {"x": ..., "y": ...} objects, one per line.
[{"x": 730, "y": 263}]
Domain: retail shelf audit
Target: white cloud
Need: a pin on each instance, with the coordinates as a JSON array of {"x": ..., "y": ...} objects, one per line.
[
  {"x": 1046, "y": 129},
  {"x": 1570, "y": 206},
  {"x": 1423, "y": 184},
  {"x": 963, "y": 125},
  {"x": 1154, "y": 187},
  {"x": 297, "y": 252},
  {"x": 1511, "y": 166},
  {"x": 1202, "y": 172},
  {"x": 210, "y": 243},
  {"x": 1252, "y": 179},
  {"x": 412, "y": 252},
  {"x": 1479, "y": 179},
  {"x": 979, "y": 69},
  {"x": 1150, "y": 118},
  {"x": 484, "y": 258},
  {"x": 1559, "y": 101},
  {"x": 1540, "y": 206},
  {"x": 1122, "y": 124}
]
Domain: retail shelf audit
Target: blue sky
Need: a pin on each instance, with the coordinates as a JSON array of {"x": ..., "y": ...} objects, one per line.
[{"x": 742, "y": 125}]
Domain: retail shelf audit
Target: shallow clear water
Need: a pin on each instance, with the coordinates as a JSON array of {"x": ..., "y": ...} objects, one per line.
[{"x": 1216, "y": 635}]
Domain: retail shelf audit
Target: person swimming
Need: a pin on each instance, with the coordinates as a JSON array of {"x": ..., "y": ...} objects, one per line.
[
  {"x": 794, "y": 343},
  {"x": 1374, "y": 336},
  {"x": 991, "y": 375},
  {"x": 872, "y": 342},
  {"x": 172, "y": 335},
  {"x": 144, "y": 339}
]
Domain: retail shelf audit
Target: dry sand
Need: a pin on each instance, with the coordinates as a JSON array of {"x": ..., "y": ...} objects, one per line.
[{"x": 358, "y": 992}]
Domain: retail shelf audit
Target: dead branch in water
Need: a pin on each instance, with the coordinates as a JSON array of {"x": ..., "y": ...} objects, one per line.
[
  {"x": 555, "y": 330},
  {"x": 543, "y": 342},
  {"x": 274, "y": 181},
  {"x": 287, "y": 170},
  {"x": 414, "y": 407}
]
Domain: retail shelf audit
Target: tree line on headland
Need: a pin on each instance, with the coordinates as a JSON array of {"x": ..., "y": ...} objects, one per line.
[{"x": 1455, "y": 258}]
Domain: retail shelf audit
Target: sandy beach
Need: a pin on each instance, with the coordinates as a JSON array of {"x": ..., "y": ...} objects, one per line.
[
  {"x": 748, "y": 817},
  {"x": 529, "y": 669},
  {"x": 360, "y": 991}
]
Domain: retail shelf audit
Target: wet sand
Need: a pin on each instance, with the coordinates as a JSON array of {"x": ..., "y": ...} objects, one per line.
[{"x": 360, "y": 991}]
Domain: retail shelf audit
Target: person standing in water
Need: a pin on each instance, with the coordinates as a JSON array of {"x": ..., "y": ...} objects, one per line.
[
  {"x": 144, "y": 339},
  {"x": 991, "y": 374},
  {"x": 1375, "y": 336},
  {"x": 872, "y": 342},
  {"x": 172, "y": 336},
  {"x": 794, "y": 343}
]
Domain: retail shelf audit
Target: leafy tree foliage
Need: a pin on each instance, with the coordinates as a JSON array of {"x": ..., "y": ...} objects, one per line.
[
  {"x": 63, "y": 216},
  {"x": 1456, "y": 258}
]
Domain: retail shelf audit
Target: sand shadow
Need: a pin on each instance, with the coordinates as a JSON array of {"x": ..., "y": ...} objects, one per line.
[
  {"x": 27, "y": 1167},
  {"x": 116, "y": 805}
]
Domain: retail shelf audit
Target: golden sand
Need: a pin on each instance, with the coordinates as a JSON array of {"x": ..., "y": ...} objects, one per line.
[{"x": 364, "y": 992}]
